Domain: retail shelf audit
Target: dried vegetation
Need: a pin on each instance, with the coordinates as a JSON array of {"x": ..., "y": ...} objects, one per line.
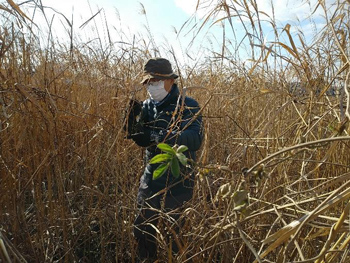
[{"x": 273, "y": 177}]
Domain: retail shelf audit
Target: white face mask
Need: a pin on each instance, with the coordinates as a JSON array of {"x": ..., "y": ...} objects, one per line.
[{"x": 156, "y": 90}]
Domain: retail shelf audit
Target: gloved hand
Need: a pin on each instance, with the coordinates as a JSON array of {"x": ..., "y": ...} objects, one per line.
[
  {"x": 145, "y": 137},
  {"x": 133, "y": 118},
  {"x": 149, "y": 136}
]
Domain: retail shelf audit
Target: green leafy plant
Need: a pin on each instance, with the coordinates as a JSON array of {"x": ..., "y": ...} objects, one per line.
[{"x": 172, "y": 157}]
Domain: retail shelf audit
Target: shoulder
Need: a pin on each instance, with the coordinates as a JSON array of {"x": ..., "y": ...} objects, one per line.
[{"x": 191, "y": 102}]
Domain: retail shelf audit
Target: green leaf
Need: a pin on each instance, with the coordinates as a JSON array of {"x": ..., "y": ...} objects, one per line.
[
  {"x": 182, "y": 149},
  {"x": 182, "y": 158},
  {"x": 160, "y": 158},
  {"x": 175, "y": 167},
  {"x": 166, "y": 148},
  {"x": 160, "y": 170}
]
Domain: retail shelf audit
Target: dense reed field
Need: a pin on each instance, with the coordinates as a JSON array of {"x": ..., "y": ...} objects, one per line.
[{"x": 273, "y": 175}]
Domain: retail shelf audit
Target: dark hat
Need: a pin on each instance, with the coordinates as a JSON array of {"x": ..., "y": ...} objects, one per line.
[{"x": 159, "y": 68}]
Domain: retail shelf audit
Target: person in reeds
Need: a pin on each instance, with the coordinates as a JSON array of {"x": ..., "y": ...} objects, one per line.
[{"x": 169, "y": 117}]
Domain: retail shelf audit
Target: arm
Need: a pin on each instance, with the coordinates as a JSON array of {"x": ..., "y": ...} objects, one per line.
[{"x": 190, "y": 133}]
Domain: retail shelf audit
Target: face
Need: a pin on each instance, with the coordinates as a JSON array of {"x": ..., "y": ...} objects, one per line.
[{"x": 168, "y": 83}]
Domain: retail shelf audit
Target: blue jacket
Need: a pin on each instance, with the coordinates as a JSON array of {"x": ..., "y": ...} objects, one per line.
[{"x": 158, "y": 118}]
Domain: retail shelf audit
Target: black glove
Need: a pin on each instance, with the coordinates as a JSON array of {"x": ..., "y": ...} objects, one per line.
[
  {"x": 133, "y": 118},
  {"x": 146, "y": 137}
]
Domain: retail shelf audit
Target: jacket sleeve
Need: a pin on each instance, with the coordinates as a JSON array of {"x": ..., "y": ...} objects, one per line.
[{"x": 191, "y": 130}]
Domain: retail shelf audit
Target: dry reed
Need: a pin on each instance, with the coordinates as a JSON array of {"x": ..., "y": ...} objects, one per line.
[{"x": 69, "y": 178}]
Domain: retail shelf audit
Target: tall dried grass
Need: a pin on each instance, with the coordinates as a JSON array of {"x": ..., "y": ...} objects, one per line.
[{"x": 69, "y": 178}]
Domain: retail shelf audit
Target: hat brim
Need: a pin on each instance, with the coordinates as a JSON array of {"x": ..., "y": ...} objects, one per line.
[{"x": 151, "y": 76}]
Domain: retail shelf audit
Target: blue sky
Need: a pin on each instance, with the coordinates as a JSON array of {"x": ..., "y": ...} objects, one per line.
[
  {"x": 162, "y": 15},
  {"x": 165, "y": 17}
]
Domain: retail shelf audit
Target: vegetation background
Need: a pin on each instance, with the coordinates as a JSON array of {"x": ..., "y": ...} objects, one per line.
[{"x": 273, "y": 172}]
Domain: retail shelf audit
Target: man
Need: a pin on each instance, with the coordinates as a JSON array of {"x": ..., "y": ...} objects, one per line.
[{"x": 165, "y": 117}]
